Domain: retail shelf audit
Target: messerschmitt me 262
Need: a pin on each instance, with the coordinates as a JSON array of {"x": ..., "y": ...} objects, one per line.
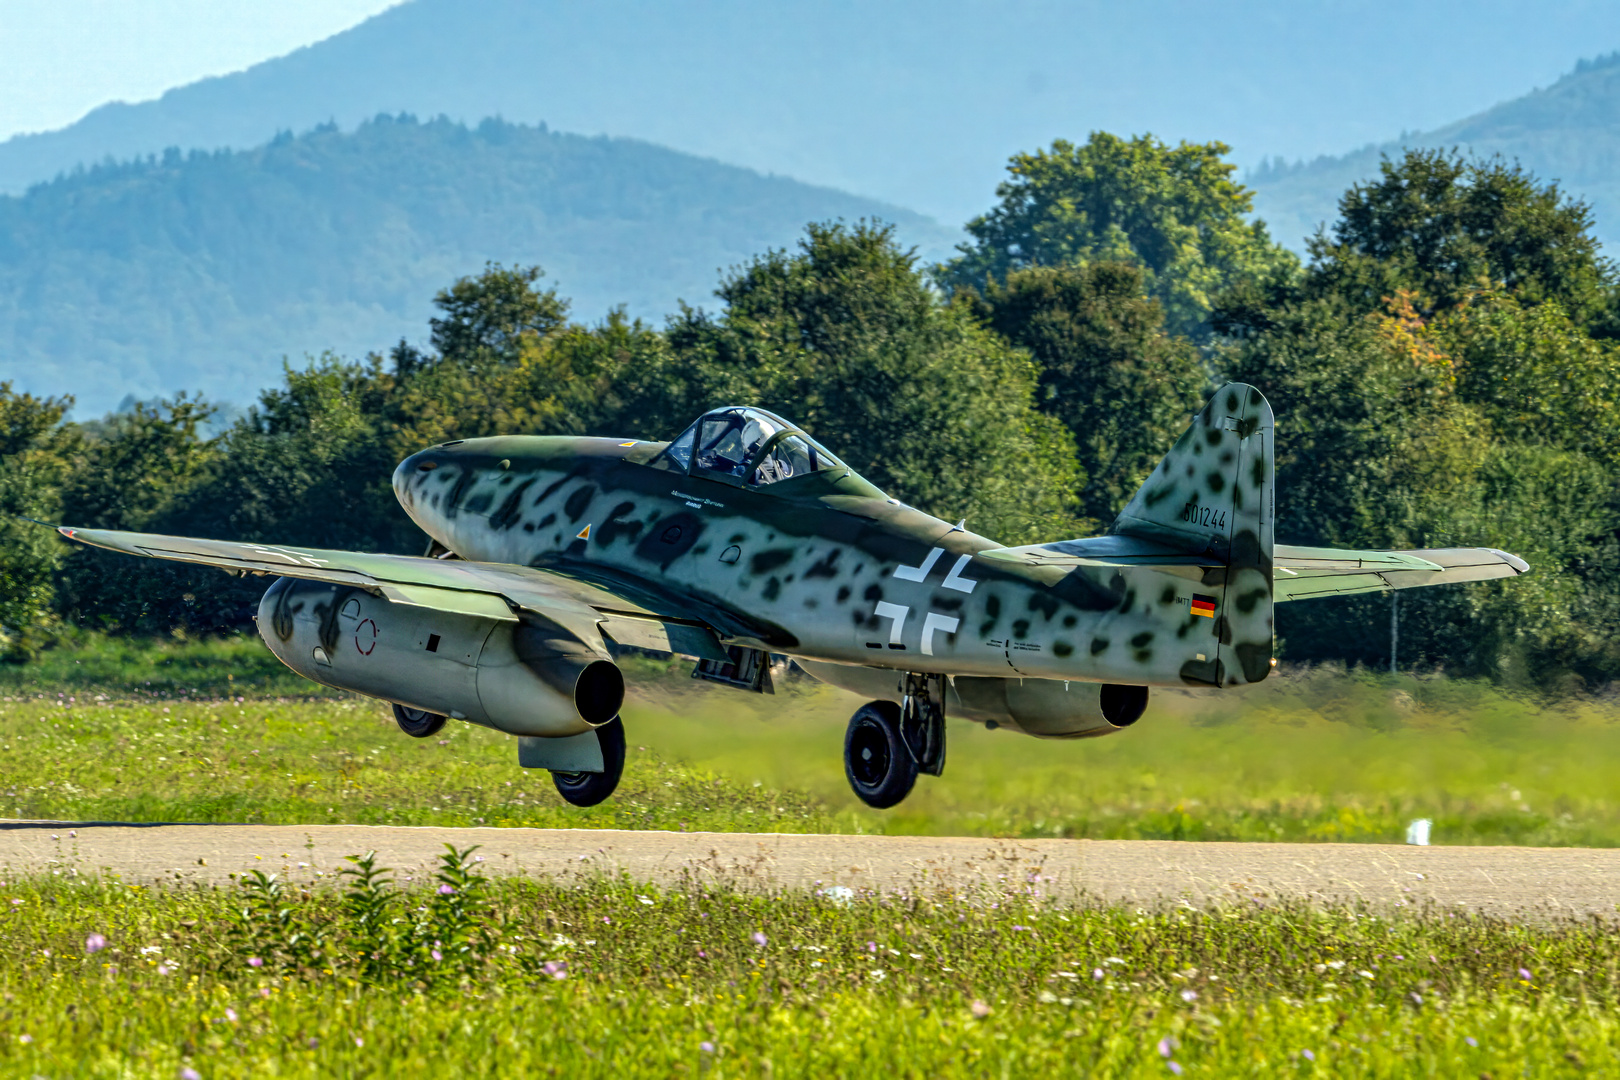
[{"x": 745, "y": 538}]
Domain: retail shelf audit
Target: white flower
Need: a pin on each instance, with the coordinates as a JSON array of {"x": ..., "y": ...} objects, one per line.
[{"x": 644, "y": 900}]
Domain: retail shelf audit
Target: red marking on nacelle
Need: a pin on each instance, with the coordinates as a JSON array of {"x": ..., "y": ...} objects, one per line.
[{"x": 371, "y": 643}]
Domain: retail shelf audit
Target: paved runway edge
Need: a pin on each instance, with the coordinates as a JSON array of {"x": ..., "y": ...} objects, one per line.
[{"x": 1505, "y": 882}]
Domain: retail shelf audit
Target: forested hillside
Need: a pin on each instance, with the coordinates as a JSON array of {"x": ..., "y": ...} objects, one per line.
[
  {"x": 1568, "y": 133},
  {"x": 1443, "y": 366},
  {"x": 200, "y": 271}
]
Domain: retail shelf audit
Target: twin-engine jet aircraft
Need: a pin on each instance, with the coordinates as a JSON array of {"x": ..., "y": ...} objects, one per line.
[{"x": 744, "y": 538}]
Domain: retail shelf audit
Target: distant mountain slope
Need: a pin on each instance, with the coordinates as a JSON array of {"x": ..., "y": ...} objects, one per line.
[
  {"x": 202, "y": 271},
  {"x": 1569, "y": 132}
]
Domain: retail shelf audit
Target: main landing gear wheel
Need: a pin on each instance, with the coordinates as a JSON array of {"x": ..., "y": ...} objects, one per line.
[
  {"x": 417, "y": 723},
  {"x": 880, "y": 768},
  {"x": 590, "y": 788}
]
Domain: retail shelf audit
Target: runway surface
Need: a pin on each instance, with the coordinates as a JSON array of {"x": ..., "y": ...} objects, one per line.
[{"x": 1516, "y": 882}]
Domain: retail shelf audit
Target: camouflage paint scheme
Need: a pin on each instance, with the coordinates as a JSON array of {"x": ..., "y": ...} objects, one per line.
[
  {"x": 827, "y": 568},
  {"x": 590, "y": 534}
]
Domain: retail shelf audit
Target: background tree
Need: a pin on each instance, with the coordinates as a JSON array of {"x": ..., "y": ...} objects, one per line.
[
  {"x": 1123, "y": 387},
  {"x": 846, "y": 338},
  {"x": 34, "y": 451},
  {"x": 1175, "y": 212},
  {"x": 1441, "y": 226},
  {"x": 1437, "y": 384}
]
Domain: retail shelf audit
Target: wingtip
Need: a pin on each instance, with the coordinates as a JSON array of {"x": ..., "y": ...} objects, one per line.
[{"x": 1518, "y": 564}]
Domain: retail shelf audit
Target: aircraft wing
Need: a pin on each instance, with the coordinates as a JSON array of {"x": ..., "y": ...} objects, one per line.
[
  {"x": 1300, "y": 573},
  {"x": 491, "y": 590}
]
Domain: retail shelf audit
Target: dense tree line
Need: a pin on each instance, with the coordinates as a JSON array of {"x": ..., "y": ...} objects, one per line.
[{"x": 1443, "y": 366}]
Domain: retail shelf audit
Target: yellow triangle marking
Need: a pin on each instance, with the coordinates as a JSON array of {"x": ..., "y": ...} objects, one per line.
[{"x": 584, "y": 534}]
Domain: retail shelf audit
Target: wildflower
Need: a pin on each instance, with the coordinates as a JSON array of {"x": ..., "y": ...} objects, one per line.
[
  {"x": 1189, "y": 995},
  {"x": 1524, "y": 973},
  {"x": 1307, "y": 1055},
  {"x": 313, "y": 1042},
  {"x": 188, "y": 1073},
  {"x": 1471, "y": 1041},
  {"x": 446, "y": 890},
  {"x": 437, "y": 955},
  {"x": 557, "y": 969},
  {"x": 1017, "y": 927},
  {"x": 979, "y": 1009},
  {"x": 1174, "y": 1067},
  {"x": 230, "y": 1014},
  {"x": 1167, "y": 1047},
  {"x": 1097, "y": 974},
  {"x": 164, "y": 969},
  {"x": 1417, "y": 999},
  {"x": 25, "y": 1038},
  {"x": 877, "y": 974},
  {"x": 706, "y": 1046},
  {"x": 644, "y": 900},
  {"x": 358, "y": 1041},
  {"x": 254, "y": 961},
  {"x": 871, "y": 946},
  {"x": 759, "y": 938},
  {"x": 148, "y": 950},
  {"x": 264, "y": 991},
  {"x": 606, "y": 919}
]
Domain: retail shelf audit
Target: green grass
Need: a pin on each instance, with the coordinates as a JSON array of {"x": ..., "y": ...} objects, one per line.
[
  {"x": 118, "y": 731},
  {"x": 612, "y": 978}
]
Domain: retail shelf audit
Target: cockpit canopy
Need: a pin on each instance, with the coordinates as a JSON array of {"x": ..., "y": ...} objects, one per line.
[{"x": 747, "y": 446}]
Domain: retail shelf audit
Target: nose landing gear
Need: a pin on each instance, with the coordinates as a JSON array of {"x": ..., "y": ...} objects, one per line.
[{"x": 887, "y": 745}]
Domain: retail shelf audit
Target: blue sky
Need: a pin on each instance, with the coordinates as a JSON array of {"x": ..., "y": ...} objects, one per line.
[
  {"x": 61, "y": 58},
  {"x": 915, "y": 101}
]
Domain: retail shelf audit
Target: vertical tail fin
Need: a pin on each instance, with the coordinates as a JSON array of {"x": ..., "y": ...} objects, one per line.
[{"x": 1214, "y": 494}]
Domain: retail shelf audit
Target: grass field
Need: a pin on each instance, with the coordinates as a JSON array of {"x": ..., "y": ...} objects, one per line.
[
  {"x": 512, "y": 977},
  {"x": 219, "y": 732},
  {"x": 518, "y": 978}
]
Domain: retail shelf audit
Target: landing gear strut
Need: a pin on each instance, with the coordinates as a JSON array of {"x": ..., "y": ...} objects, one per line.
[
  {"x": 887, "y": 745},
  {"x": 590, "y": 788}
]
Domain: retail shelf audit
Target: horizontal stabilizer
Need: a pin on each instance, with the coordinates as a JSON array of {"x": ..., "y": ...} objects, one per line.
[{"x": 1302, "y": 572}]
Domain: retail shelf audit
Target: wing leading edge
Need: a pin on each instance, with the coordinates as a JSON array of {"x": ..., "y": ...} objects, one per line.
[
  {"x": 484, "y": 589},
  {"x": 1300, "y": 573}
]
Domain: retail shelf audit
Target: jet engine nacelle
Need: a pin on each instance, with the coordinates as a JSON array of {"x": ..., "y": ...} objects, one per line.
[
  {"x": 1045, "y": 708},
  {"x": 523, "y": 678}
]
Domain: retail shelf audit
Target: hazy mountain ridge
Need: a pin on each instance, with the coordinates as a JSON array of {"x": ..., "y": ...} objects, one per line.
[
  {"x": 1568, "y": 132},
  {"x": 203, "y": 270}
]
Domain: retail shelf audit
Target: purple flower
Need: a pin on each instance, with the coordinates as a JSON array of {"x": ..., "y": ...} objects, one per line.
[
  {"x": 436, "y": 954},
  {"x": 871, "y": 946},
  {"x": 1189, "y": 995},
  {"x": 706, "y": 1046},
  {"x": 1471, "y": 1041},
  {"x": 188, "y": 1073},
  {"x": 1524, "y": 973},
  {"x": 94, "y": 943},
  {"x": 557, "y": 969},
  {"x": 1017, "y": 927},
  {"x": 230, "y": 1014},
  {"x": 1417, "y": 999},
  {"x": 1097, "y": 974},
  {"x": 1307, "y": 1055},
  {"x": 254, "y": 961},
  {"x": 1175, "y": 1068},
  {"x": 759, "y": 938},
  {"x": 1165, "y": 1048},
  {"x": 979, "y": 1009},
  {"x": 446, "y": 890}
]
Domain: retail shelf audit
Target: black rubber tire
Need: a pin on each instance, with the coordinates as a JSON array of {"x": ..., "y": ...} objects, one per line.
[
  {"x": 590, "y": 788},
  {"x": 416, "y": 723},
  {"x": 880, "y": 769}
]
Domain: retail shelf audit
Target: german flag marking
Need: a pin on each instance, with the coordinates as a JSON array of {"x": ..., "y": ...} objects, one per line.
[{"x": 1203, "y": 605}]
